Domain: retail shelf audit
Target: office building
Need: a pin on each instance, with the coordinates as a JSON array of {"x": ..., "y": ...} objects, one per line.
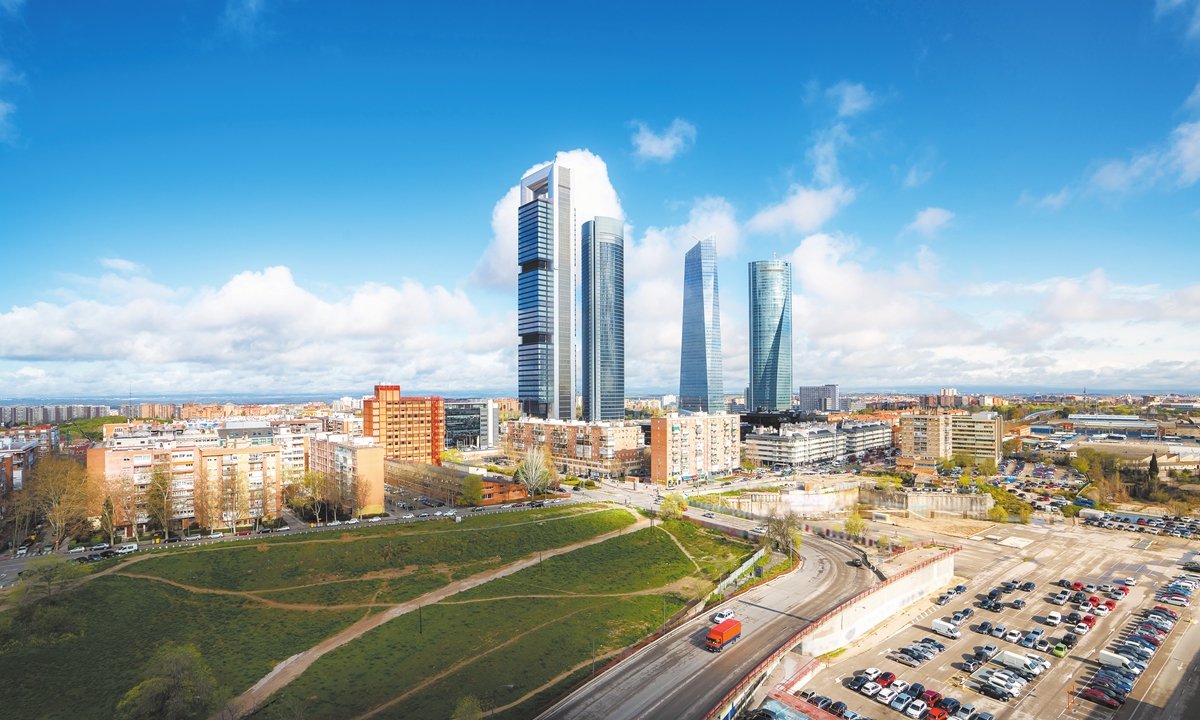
[
  {"x": 770, "y": 335},
  {"x": 472, "y": 424},
  {"x": 701, "y": 380},
  {"x": 595, "y": 449},
  {"x": 357, "y": 465},
  {"x": 819, "y": 398},
  {"x": 407, "y": 428},
  {"x": 602, "y": 282},
  {"x": 699, "y": 446},
  {"x": 546, "y": 294}
]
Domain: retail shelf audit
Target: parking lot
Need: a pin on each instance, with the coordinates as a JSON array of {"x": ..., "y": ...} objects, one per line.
[{"x": 1075, "y": 554}]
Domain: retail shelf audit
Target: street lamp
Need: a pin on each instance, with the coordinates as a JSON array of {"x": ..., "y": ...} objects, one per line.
[{"x": 491, "y": 692}]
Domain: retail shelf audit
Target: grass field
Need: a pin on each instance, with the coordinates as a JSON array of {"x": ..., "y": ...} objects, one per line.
[
  {"x": 279, "y": 565},
  {"x": 714, "y": 551},
  {"x": 641, "y": 560},
  {"x": 120, "y": 622}
]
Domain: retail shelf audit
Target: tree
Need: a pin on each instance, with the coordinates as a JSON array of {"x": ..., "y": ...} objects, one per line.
[
  {"x": 46, "y": 577},
  {"x": 108, "y": 519},
  {"x": 160, "y": 506},
  {"x": 783, "y": 531},
  {"x": 997, "y": 514},
  {"x": 472, "y": 490},
  {"x": 468, "y": 708},
  {"x": 883, "y": 543},
  {"x": 60, "y": 491},
  {"x": 532, "y": 473},
  {"x": 127, "y": 502},
  {"x": 987, "y": 468},
  {"x": 964, "y": 481},
  {"x": 855, "y": 526},
  {"x": 179, "y": 687},
  {"x": 672, "y": 506},
  {"x": 24, "y": 513},
  {"x": 886, "y": 483},
  {"x": 452, "y": 455}
]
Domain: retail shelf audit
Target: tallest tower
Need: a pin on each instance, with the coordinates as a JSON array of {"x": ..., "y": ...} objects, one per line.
[
  {"x": 701, "y": 386},
  {"x": 546, "y": 294}
]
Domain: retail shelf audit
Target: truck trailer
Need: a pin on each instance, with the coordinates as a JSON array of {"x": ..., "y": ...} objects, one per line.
[{"x": 722, "y": 634}]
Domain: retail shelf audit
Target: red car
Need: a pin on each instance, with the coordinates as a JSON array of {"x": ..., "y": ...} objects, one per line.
[
  {"x": 931, "y": 696},
  {"x": 1076, "y": 586},
  {"x": 886, "y": 679},
  {"x": 1110, "y": 604},
  {"x": 1094, "y": 600},
  {"x": 1089, "y": 620},
  {"x": 1098, "y": 697}
]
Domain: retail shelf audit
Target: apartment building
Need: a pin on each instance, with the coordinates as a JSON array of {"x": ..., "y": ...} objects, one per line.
[
  {"x": 925, "y": 436},
  {"x": 412, "y": 429},
  {"x": 46, "y": 437},
  {"x": 934, "y": 437},
  {"x": 696, "y": 446},
  {"x": 801, "y": 444},
  {"x": 979, "y": 435},
  {"x": 357, "y": 464},
  {"x": 595, "y": 449}
]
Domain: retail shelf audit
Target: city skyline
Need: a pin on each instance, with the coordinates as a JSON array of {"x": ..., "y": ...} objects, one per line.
[{"x": 954, "y": 217}]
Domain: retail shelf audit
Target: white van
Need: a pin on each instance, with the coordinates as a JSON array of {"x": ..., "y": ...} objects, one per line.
[
  {"x": 946, "y": 629},
  {"x": 127, "y": 548},
  {"x": 1053, "y": 619}
]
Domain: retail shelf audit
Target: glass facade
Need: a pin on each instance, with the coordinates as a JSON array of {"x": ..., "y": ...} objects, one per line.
[
  {"x": 701, "y": 380},
  {"x": 546, "y": 295},
  {"x": 472, "y": 424},
  {"x": 603, "y": 309},
  {"x": 770, "y": 335}
]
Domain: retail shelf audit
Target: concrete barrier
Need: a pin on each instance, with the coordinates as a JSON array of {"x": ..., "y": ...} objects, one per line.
[{"x": 931, "y": 504}]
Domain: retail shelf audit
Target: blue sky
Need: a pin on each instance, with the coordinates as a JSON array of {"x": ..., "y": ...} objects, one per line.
[{"x": 263, "y": 196}]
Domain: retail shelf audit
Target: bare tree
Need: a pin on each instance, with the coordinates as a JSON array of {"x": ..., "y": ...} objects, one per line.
[
  {"x": 60, "y": 489},
  {"x": 532, "y": 473},
  {"x": 783, "y": 531},
  {"x": 24, "y": 513},
  {"x": 108, "y": 519},
  {"x": 126, "y": 500},
  {"x": 160, "y": 505}
]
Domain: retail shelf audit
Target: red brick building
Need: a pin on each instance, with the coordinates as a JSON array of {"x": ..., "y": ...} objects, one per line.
[{"x": 412, "y": 429}]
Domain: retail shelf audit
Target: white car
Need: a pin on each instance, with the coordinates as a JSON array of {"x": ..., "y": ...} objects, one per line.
[
  {"x": 1101, "y": 610},
  {"x": 77, "y": 549},
  {"x": 191, "y": 537},
  {"x": 439, "y": 513},
  {"x": 1053, "y": 619},
  {"x": 332, "y": 523},
  {"x": 760, "y": 530},
  {"x": 916, "y": 709},
  {"x": 352, "y": 521},
  {"x": 872, "y": 674},
  {"x": 216, "y": 535},
  {"x": 899, "y": 686},
  {"x": 723, "y": 615},
  {"x": 870, "y": 689},
  {"x": 451, "y": 512},
  {"x": 1080, "y": 629},
  {"x": 1013, "y": 636},
  {"x": 408, "y": 516},
  {"x": 886, "y": 695},
  {"x": 283, "y": 528},
  {"x": 375, "y": 519}
]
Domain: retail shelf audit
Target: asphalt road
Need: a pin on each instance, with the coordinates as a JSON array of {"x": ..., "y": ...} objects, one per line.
[{"x": 676, "y": 678}]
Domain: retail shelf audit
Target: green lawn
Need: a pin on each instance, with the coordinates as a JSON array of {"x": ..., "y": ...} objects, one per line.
[
  {"x": 715, "y": 551},
  {"x": 638, "y": 561},
  {"x": 121, "y": 622},
  {"x": 269, "y": 566}
]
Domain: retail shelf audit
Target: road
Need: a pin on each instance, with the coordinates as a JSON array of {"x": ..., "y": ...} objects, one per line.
[{"x": 675, "y": 678}]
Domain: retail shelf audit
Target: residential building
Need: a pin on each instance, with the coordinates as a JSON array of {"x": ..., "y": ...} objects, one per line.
[
  {"x": 546, "y": 294},
  {"x": 700, "y": 446},
  {"x": 819, "y": 398},
  {"x": 801, "y": 444},
  {"x": 926, "y": 436},
  {"x": 444, "y": 485},
  {"x": 356, "y": 463},
  {"x": 866, "y": 436},
  {"x": 596, "y": 449},
  {"x": 472, "y": 424},
  {"x": 701, "y": 374},
  {"x": 238, "y": 485},
  {"x": 770, "y": 335},
  {"x": 979, "y": 435},
  {"x": 944, "y": 435},
  {"x": 46, "y": 437},
  {"x": 603, "y": 312},
  {"x": 17, "y": 460},
  {"x": 408, "y": 428}
]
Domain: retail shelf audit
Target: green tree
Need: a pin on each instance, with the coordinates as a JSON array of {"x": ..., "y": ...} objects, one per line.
[
  {"x": 747, "y": 463},
  {"x": 472, "y": 490},
  {"x": 988, "y": 467},
  {"x": 672, "y": 506},
  {"x": 964, "y": 481},
  {"x": 783, "y": 531},
  {"x": 179, "y": 687},
  {"x": 883, "y": 543},
  {"x": 453, "y": 455},
  {"x": 61, "y": 493},
  {"x": 997, "y": 514},
  {"x": 45, "y": 578},
  {"x": 467, "y": 708},
  {"x": 856, "y": 527}
]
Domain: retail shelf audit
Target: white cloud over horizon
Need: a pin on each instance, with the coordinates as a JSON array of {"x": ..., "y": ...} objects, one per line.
[
  {"x": 929, "y": 221},
  {"x": 664, "y": 146},
  {"x": 850, "y": 98}
]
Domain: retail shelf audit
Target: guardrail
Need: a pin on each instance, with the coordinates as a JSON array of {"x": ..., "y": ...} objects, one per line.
[{"x": 791, "y": 642}]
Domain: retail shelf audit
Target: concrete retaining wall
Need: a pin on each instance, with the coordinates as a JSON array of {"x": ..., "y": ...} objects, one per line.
[
  {"x": 864, "y": 615},
  {"x": 926, "y": 504}
]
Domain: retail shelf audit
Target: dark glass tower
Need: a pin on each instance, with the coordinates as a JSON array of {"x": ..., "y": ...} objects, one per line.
[
  {"x": 546, "y": 295},
  {"x": 603, "y": 311},
  {"x": 701, "y": 384},
  {"x": 770, "y": 335}
]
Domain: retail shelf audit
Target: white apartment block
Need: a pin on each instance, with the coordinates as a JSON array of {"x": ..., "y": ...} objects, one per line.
[{"x": 699, "y": 445}]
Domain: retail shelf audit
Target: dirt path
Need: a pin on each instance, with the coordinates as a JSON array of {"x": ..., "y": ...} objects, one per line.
[
  {"x": 294, "y": 666},
  {"x": 682, "y": 549},
  {"x": 251, "y": 596}
]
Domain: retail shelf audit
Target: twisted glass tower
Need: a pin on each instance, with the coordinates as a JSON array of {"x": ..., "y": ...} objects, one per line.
[
  {"x": 546, "y": 295},
  {"x": 770, "y": 335},
  {"x": 602, "y": 281},
  {"x": 701, "y": 384}
]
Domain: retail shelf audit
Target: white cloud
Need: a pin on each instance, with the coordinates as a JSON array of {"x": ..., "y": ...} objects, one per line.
[
  {"x": 803, "y": 210},
  {"x": 8, "y": 129},
  {"x": 663, "y": 147},
  {"x": 929, "y": 221},
  {"x": 12, "y": 7},
  {"x": 241, "y": 17},
  {"x": 8, "y": 73},
  {"x": 1179, "y": 164},
  {"x": 1055, "y": 201},
  {"x": 851, "y": 99},
  {"x": 1165, "y": 7},
  {"x": 592, "y": 194},
  {"x": 120, "y": 265}
]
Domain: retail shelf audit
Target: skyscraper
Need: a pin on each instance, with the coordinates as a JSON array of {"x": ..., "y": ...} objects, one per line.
[
  {"x": 546, "y": 294},
  {"x": 770, "y": 335},
  {"x": 602, "y": 279},
  {"x": 701, "y": 384}
]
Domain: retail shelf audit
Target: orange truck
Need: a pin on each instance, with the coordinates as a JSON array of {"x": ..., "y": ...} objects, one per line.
[{"x": 722, "y": 634}]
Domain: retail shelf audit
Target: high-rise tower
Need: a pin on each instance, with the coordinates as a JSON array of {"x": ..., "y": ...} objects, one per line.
[
  {"x": 602, "y": 280},
  {"x": 701, "y": 384},
  {"x": 770, "y": 335},
  {"x": 546, "y": 294}
]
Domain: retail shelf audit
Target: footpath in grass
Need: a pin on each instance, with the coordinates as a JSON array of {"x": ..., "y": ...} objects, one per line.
[
  {"x": 641, "y": 560},
  {"x": 276, "y": 566},
  {"x": 113, "y": 625},
  {"x": 715, "y": 552}
]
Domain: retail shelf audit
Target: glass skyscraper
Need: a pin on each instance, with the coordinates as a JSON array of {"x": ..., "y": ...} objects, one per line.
[
  {"x": 701, "y": 383},
  {"x": 770, "y": 335},
  {"x": 602, "y": 281},
  {"x": 546, "y": 295}
]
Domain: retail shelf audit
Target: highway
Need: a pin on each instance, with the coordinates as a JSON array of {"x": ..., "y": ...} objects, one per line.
[{"x": 675, "y": 678}]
